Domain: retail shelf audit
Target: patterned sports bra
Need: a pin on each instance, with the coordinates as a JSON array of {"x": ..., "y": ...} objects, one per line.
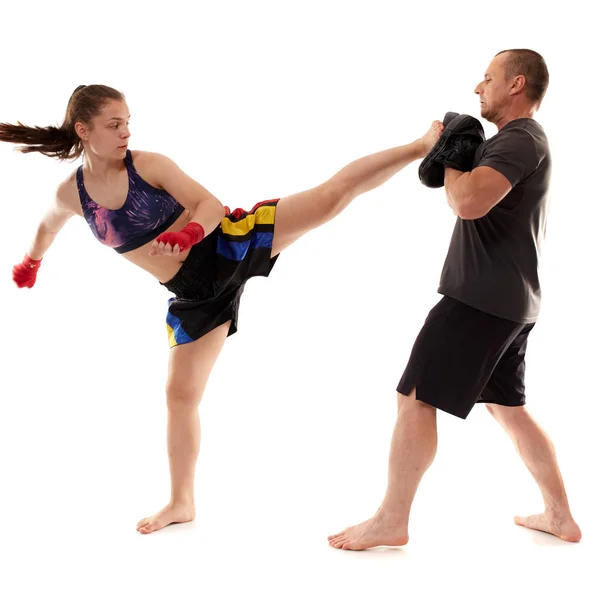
[{"x": 146, "y": 213}]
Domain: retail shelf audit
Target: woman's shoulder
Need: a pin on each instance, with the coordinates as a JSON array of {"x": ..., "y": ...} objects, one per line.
[
  {"x": 67, "y": 194},
  {"x": 152, "y": 166},
  {"x": 146, "y": 158}
]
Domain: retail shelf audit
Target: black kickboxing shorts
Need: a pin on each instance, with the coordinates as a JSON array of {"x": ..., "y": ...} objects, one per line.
[
  {"x": 210, "y": 282},
  {"x": 463, "y": 356}
]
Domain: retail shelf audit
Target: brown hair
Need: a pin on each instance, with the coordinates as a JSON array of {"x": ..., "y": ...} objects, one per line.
[
  {"x": 533, "y": 67},
  {"x": 62, "y": 142}
]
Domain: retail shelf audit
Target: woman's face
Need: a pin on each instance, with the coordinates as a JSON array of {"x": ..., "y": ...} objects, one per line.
[{"x": 107, "y": 134}]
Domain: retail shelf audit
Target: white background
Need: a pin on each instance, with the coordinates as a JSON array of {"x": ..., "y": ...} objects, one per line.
[{"x": 259, "y": 100}]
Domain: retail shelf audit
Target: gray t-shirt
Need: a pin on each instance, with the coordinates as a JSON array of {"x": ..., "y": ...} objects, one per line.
[{"x": 492, "y": 262}]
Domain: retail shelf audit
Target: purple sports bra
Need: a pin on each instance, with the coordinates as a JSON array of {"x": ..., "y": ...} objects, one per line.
[{"x": 146, "y": 213}]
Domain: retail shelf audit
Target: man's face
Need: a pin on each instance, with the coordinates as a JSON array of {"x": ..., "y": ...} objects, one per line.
[{"x": 494, "y": 90}]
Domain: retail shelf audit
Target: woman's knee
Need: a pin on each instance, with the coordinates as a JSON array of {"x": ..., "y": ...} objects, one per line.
[
  {"x": 183, "y": 395},
  {"x": 335, "y": 198}
]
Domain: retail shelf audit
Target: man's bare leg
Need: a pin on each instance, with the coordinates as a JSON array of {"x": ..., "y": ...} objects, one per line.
[
  {"x": 413, "y": 449},
  {"x": 537, "y": 451}
]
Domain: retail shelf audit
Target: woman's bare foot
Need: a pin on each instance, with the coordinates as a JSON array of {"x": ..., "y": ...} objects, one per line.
[
  {"x": 563, "y": 527},
  {"x": 378, "y": 531},
  {"x": 431, "y": 137},
  {"x": 172, "y": 513}
]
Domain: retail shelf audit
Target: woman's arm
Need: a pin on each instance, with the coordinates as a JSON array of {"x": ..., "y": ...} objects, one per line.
[
  {"x": 55, "y": 218},
  {"x": 206, "y": 210}
]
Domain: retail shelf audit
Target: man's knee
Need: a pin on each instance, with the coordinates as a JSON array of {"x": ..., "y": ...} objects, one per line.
[{"x": 411, "y": 400}]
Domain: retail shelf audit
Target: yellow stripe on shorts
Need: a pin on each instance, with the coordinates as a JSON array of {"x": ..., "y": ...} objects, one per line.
[
  {"x": 239, "y": 228},
  {"x": 172, "y": 340}
]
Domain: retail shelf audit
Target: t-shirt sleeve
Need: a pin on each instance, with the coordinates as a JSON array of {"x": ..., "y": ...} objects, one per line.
[{"x": 513, "y": 154}]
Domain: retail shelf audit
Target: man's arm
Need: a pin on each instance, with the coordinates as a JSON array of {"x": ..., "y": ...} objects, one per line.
[
  {"x": 472, "y": 195},
  {"x": 507, "y": 160}
]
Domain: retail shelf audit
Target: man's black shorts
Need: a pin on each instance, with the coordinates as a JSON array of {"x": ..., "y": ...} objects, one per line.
[{"x": 463, "y": 356}]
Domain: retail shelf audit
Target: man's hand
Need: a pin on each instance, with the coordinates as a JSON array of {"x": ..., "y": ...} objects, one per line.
[{"x": 462, "y": 153}]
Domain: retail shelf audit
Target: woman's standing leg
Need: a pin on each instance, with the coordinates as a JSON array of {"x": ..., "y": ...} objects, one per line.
[{"x": 190, "y": 366}]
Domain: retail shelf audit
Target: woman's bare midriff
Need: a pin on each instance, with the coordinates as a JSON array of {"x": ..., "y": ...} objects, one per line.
[{"x": 162, "y": 267}]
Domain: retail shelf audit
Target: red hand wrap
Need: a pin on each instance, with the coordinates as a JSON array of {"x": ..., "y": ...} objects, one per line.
[
  {"x": 24, "y": 274},
  {"x": 189, "y": 235}
]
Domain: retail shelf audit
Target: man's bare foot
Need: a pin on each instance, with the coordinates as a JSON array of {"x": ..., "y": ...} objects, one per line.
[
  {"x": 172, "y": 513},
  {"x": 431, "y": 137},
  {"x": 378, "y": 531},
  {"x": 563, "y": 527}
]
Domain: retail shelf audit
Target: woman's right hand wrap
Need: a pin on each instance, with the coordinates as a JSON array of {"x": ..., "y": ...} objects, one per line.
[{"x": 24, "y": 274}]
